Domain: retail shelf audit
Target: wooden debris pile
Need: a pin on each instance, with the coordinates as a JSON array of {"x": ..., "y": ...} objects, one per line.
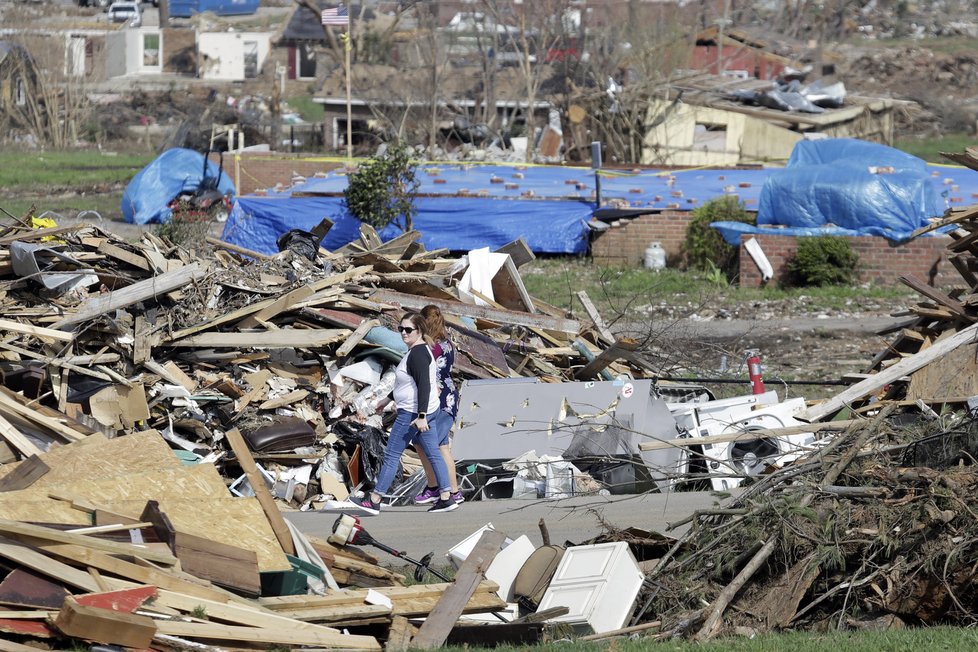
[
  {"x": 109, "y": 336},
  {"x": 931, "y": 359},
  {"x": 157, "y": 407},
  {"x": 139, "y": 550},
  {"x": 875, "y": 530}
]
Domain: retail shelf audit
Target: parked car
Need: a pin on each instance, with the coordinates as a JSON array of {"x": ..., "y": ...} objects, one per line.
[{"x": 126, "y": 11}]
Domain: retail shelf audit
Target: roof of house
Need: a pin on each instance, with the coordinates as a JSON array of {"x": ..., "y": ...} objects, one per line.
[
  {"x": 716, "y": 91},
  {"x": 299, "y": 25}
]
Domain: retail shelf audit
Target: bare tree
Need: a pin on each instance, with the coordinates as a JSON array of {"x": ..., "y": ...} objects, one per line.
[
  {"x": 51, "y": 104},
  {"x": 534, "y": 29}
]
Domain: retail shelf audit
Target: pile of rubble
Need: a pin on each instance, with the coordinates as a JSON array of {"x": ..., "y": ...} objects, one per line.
[{"x": 159, "y": 408}]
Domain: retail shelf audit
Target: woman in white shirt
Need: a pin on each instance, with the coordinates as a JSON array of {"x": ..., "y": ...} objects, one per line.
[{"x": 416, "y": 398}]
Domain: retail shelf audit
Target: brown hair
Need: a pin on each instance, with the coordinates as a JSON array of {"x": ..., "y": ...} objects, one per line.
[
  {"x": 435, "y": 322},
  {"x": 418, "y": 322}
]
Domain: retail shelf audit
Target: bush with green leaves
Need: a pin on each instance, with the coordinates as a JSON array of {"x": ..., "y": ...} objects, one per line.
[
  {"x": 383, "y": 188},
  {"x": 705, "y": 249},
  {"x": 822, "y": 260}
]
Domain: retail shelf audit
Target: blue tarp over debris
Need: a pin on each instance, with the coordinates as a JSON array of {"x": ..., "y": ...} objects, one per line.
[
  {"x": 843, "y": 186},
  {"x": 458, "y": 224},
  {"x": 465, "y": 206},
  {"x": 172, "y": 172}
]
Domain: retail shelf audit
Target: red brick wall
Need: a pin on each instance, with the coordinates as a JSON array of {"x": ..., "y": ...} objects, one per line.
[
  {"x": 879, "y": 262},
  {"x": 625, "y": 245}
]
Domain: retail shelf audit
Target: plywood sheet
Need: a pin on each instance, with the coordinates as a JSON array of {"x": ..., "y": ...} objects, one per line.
[
  {"x": 44, "y": 510},
  {"x": 952, "y": 375},
  {"x": 201, "y": 482},
  {"x": 138, "y": 452},
  {"x": 238, "y": 521},
  {"x": 58, "y": 452}
]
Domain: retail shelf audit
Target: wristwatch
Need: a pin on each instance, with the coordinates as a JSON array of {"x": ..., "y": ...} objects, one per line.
[{"x": 422, "y": 415}]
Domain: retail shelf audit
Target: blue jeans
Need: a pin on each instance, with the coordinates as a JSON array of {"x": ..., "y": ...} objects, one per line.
[{"x": 402, "y": 434}]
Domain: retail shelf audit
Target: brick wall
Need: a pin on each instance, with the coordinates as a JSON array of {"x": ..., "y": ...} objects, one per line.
[
  {"x": 625, "y": 244},
  {"x": 879, "y": 262}
]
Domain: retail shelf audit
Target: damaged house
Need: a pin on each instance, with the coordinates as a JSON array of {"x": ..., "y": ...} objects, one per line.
[{"x": 709, "y": 120}]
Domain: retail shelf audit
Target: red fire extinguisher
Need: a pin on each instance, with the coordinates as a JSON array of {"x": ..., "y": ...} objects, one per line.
[{"x": 754, "y": 372}]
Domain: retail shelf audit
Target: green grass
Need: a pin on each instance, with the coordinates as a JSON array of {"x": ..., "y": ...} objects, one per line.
[
  {"x": 930, "y": 149},
  {"x": 627, "y": 291},
  {"x": 68, "y": 169},
  {"x": 945, "y": 639}
]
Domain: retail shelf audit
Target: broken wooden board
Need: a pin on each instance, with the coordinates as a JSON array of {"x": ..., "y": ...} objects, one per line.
[
  {"x": 408, "y": 601},
  {"x": 24, "y": 588},
  {"x": 141, "y": 291},
  {"x": 951, "y": 375},
  {"x": 105, "y": 625},
  {"x": 439, "y": 622},
  {"x": 26, "y": 474},
  {"x": 903, "y": 367},
  {"x": 221, "y": 563},
  {"x": 263, "y": 495},
  {"x": 139, "y": 573},
  {"x": 466, "y": 309},
  {"x": 29, "y": 532},
  {"x": 283, "y": 635},
  {"x": 240, "y": 520},
  {"x": 286, "y": 338},
  {"x": 35, "y": 331}
]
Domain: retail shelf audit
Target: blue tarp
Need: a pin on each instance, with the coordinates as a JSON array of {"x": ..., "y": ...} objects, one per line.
[
  {"x": 843, "y": 186},
  {"x": 458, "y": 224},
  {"x": 172, "y": 172},
  {"x": 465, "y": 206},
  {"x": 187, "y": 8}
]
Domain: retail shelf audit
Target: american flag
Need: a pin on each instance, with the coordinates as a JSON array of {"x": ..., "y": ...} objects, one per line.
[{"x": 336, "y": 16}]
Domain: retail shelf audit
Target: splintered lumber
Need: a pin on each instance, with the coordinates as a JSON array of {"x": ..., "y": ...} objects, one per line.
[
  {"x": 164, "y": 579},
  {"x": 140, "y": 291},
  {"x": 18, "y": 440},
  {"x": 264, "y": 496},
  {"x": 249, "y": 614},
  {"x": 497, "y": 315},
  {"x": 105, "y": 625},
  {"x": 767, "y": 433},
  {"x": 937, "y": 296},
  {"x": 221, "y": 563},
  {"x": 245, "y": 311},
  {"x": 291, "y": 338},
  {"x": 26, "y": 557},
  {"x": 14, "y": 529},
  {"x": 595, "y": 317},
  {"x": 438, "y": 625},
  {"x": 903, "y": 367},
  {"x": 286, "y": 635},
  {"x": 283, "y": 303},
  {"x": 408, "y": 601},
  {"x": 36, "y": 331},
  {"x": 606, "y": 357},
  {"x": 361, "y": 332}
]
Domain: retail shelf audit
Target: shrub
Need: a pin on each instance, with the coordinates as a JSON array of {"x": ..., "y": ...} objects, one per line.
[
  {"x": 383, "y": 189},
  {"x": 705, "y": 249},
  {"x": 822, "y": 260}
]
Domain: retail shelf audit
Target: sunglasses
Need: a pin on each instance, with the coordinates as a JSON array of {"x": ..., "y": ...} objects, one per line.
[{"x": 406, "y": 329}]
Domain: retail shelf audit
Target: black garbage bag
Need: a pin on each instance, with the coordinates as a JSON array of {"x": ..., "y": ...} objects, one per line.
[
  {"x": 301, "y": 243},
  {"x": 371, "y": 442}
]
